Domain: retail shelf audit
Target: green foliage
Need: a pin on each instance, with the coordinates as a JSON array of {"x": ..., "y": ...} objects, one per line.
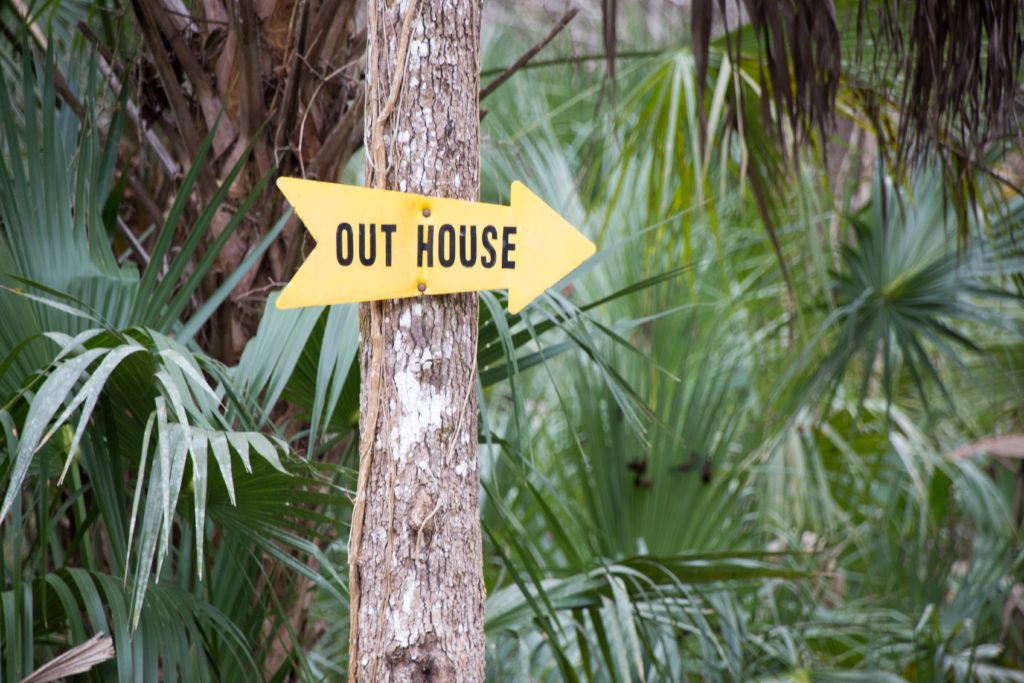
[
  {"x": 123, "y": 448},
  {"x": 904, "y": 291},
  {"x": 826, "y": 467},
  {"x": 715, "y": 452}
]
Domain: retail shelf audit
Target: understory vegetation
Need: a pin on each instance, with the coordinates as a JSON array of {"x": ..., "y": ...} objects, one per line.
[{"x": 770, "y": 432}]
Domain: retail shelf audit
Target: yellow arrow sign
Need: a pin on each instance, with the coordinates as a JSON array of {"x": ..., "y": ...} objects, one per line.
[{"x": 379, "y": 244}]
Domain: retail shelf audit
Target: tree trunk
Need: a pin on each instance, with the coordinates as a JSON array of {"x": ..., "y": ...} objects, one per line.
[{"x": 416, "y": 563}]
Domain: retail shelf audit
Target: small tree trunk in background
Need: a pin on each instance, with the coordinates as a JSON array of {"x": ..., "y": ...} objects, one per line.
[{"x": 417, "y": 585}]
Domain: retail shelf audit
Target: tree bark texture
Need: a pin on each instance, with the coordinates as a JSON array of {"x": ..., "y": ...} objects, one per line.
[{"x": 415, "y": 556}]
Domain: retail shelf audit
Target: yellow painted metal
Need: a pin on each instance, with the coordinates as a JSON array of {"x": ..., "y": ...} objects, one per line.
[{"x": 525, "y": 248}]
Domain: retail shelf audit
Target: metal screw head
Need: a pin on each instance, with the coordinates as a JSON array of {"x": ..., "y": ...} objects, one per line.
[
  {"x": 426, "y": 213},
  {"x": 422, "y": 287}
]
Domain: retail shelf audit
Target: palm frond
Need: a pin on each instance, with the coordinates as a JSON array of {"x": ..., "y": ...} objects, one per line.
[{"x": 904, "y": 298}]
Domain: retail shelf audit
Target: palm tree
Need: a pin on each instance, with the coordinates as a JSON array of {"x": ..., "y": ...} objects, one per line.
[{"x": 277, "y": 83}]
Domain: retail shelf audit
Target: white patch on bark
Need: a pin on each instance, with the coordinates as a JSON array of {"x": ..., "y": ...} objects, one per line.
[
  {"x": 404, "y": 625},
  {"x": 423, "y": 405}
]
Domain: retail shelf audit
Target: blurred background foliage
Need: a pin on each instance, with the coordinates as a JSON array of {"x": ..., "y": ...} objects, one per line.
[{"x": 771, "y": 432}]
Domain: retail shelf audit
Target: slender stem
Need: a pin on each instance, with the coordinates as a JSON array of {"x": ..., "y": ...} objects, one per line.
[
  {"x": 595, "y": 57},
  {"x": 529, "y": 54}
]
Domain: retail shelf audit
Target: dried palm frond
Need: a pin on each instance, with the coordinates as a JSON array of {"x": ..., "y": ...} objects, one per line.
[
  {"x": 800, "y": 49},
  {"x": 279, "y": 75},
  {"x": 953, "y": 67},
  {"x": 77, "y": 660},
  {"x": 960, "y": 62}
]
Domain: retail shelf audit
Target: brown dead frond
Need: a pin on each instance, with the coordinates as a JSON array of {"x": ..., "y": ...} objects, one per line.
[
  {"x": 800, "y": 56},
  {"x": 281, "y": 76},
  {"x": 953, "y": 67},
  {"x": 961, "y": 70}
]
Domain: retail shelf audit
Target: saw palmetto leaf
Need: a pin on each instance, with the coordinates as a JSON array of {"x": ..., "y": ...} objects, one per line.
[{"x": 905, "y": 297}]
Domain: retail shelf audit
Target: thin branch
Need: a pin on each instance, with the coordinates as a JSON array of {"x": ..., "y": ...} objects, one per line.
[
  {"x": 529, "y": 54},
  {"x": 133, "y": 242},
  {"x": 309, "y": 107},
  {"x": 289, "y": 108},
  {"x": 332, "y": 17},
  {"x": 594, "y": 57},
  {"x": 133, "y": 112},
  {"x": 78, "y": 109},
  {"x": 195, "y": 20},
  {"x": 189, "y": 138},
  {"x": 253, "y": 111},
  {"x": 335, "y": 146},
  {"x": 107, "y": 66},
  {"x": 609, "y": 19},
  {"x": 104, "y": 51},
  {"x": 209, "y": 101},
  {"x": 377, "y": 133}
]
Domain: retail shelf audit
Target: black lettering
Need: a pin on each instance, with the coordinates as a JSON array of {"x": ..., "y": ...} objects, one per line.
[
  {"x": 489, "y": 233},
  {"x": 507, "y": 247},
  {"x": 343, "y": 244},
  {"x": 448, "y": 231},
  {"x": 367, "y": 260},
  {"x": 471, "y": 258},
  {"x": 425, "y": 247},
  {"x": 387, "y": 229}
]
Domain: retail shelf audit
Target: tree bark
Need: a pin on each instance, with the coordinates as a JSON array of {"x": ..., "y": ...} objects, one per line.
[{"x": 415, "y": 557}]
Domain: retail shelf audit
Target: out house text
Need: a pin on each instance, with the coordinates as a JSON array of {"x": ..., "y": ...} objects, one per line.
[{"x": 446, "y": 245}]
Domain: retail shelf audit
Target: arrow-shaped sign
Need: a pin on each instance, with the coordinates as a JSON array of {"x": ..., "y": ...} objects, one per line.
[{"x": 380, "y": 244}]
